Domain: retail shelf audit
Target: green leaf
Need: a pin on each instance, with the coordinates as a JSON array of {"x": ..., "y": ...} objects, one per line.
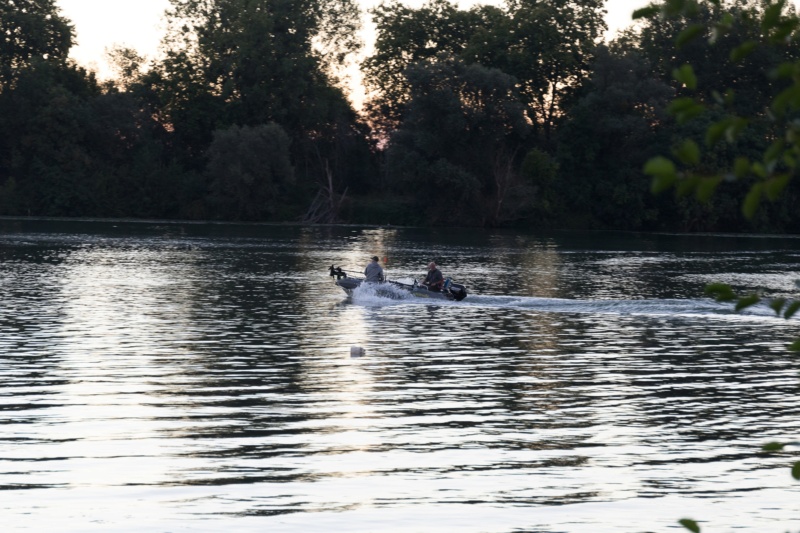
[
  {"x": 747, "y": 301},
  {"x": 688, "y": 152},
  {"x": 660, "y": 166},
  {"x": 787, "y": 100},
  {"x": 791, "y": 310},
  {"x": 691, "y": 9},
  {"x": 796, "y": 471},
  {"x": 730, "y": 128},
  {"x": 688, "y": 185},
  {"x": 795, "y": 346},
  {"x": 784, "y": 70},
  {"x": 662, "y": 183},
  {"x": 721, "y": 292},
  {"x": 772, "y": 16},
  {"x": 685, "y": 109},
  {"x": 759, "y": 170},
  {"x": 789, "y": 160},
  {"x": 742, "y": 51},
  {"x": 721, "y": 28},
  {"x": 774, "y": 151},
  {"x": 646, "y": 12},
  {"x": 689, "y": 34},
  {"x": 752, "y": 200},
  {"x": 777, "y": 304},
  {"x": 664, "y": 173},
  {"x": 774, "y": 187},
  {"x": 730, "y": 96},
  {"x": 689, "y": 524},
  {"x": 674, "y": 7},
  {"x": 715, "y": 132},
  {"x": 741, "y": 167},
  {"x": 735, "y": 129},
  {"x": 707, "y": 187},
  {"x": 793, "y": 135},
  {"x": 686, "y": 76},
  {"x": 783, "y": 31},
  {"x": 681, "y": 104},
  {"x": 773, "y": 447}
]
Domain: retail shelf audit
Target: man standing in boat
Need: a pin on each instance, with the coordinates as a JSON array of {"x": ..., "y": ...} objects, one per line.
[
  {"x": 434, "y": 280},
  {"x": 373, "y": 272}
]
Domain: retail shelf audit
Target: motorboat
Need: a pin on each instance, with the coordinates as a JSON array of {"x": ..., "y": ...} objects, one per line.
[{"x": 394, "y": 289}]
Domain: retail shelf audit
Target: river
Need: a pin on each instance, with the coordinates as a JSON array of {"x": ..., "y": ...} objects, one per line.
[{"x": 201, "y": 377}]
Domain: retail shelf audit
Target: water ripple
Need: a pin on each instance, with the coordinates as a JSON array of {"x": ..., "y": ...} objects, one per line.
[{"x": 200, "y": 377}]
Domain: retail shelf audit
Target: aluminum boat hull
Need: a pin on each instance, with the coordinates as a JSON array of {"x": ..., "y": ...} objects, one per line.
[{"x": 455, "y": 291}]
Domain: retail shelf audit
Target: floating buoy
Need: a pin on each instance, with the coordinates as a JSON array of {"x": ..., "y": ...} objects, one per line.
[{"x": 356, "y": 351}]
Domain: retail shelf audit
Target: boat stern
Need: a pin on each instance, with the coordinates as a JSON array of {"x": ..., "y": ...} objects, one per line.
[{"x": 348, "y": 285}]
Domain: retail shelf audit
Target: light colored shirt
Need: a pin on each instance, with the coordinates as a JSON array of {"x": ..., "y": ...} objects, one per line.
[{"x": 373, "y": 272}]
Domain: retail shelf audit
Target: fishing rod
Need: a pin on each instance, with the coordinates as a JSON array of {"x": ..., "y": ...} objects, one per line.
[{"x": 339, "y": 273}]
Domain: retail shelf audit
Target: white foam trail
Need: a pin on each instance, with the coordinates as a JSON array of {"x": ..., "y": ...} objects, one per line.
[
  {"x": 674, "y": 307},
  {"x": 380, "y": 294}
]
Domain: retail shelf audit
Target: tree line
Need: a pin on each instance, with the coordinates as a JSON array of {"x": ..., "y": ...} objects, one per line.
[{"x": 519, "y": 115}]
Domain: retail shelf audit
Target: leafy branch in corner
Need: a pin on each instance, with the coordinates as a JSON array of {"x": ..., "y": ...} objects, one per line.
[
  {"x": 694, "y": 168},
  {"x": 722, "y": 292}
]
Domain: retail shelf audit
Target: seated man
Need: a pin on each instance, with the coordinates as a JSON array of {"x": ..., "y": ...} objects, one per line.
[
  {"x": 373, "y": 272},
  {"x": 434, "y": 280}
]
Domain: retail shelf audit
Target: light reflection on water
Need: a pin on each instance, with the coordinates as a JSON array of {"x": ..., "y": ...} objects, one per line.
[{"x": 199, "y": 378}]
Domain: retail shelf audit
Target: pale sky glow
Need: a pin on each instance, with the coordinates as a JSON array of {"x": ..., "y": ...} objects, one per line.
[
  {"x": 138, "y": 24},
  {"x": 100, "y": 24}
]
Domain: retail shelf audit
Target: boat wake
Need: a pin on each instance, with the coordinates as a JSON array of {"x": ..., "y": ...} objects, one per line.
[
  {"x": 381, "y": 294},
  {"x": 696, "y": 307},
  {"x": 389, "y": 295}
]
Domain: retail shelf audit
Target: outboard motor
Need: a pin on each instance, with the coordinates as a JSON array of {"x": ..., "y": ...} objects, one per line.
[
  {"x": 337, "y": 272},
  {"x": 458, "y": 291}
]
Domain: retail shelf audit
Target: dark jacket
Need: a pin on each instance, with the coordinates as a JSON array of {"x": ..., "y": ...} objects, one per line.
[{"x": 434, "y": 280}]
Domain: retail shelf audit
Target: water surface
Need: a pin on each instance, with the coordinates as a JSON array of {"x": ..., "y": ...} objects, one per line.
[{"x": 190, "y": 377}]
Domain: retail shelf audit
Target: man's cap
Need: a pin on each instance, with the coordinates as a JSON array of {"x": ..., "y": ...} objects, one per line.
[{"x": 374, "y": 257}]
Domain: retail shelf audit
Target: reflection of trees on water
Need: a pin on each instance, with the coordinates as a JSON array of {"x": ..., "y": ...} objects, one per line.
[
  {"x": 227, "y": 363},
  {"x": 651, "y": 382},
  {"x": 106, "y": 311},
  {"x": 281, "y": 390},
  {"x": 520, "y": 265},
  {"x": 31, "y": 375}
]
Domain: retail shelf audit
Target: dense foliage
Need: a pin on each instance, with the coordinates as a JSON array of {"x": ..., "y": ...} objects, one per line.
[
  {"x": 750, "y": 138},
  {"x": 488, "y": 116}
]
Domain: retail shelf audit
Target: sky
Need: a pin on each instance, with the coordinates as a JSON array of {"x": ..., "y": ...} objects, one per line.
[{"x": 137, "y": 24}]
